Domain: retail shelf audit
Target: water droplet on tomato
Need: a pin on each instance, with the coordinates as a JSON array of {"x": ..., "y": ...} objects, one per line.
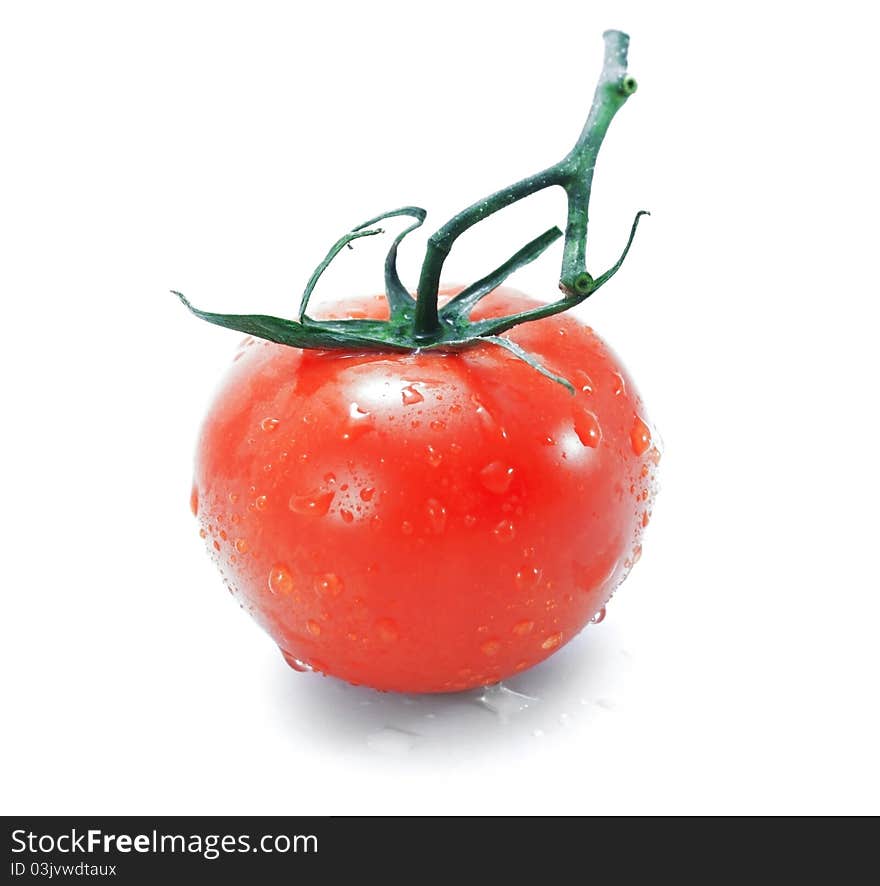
[
  {"x": 523, "y": 628},
  {"x": 359, "y": 422},
  {"x": 486, "y": 418},
  {"x": 646, "y": 519},
  {"x": 203, "y": 534},
  {"x": 598, "y": 617},
  {"x": 260, "y": 502},
  {"x": 194, "y": 501},
  {"x": 637, "y": 554},
  {"x": 241, "y": 546},
  {"x": 552, "y": 641},
  {"x": 491, "y": 647},
  {"x": 411, "y": 395},
  {"x": 527, "y": 577},
  {"x": 223, "y": 534},
  {"x": 294, "y": 662},
  {"x": 367, "y": 493},
  {"x": 329, "y": 584},
  {"x": 496, "y": 477},
  {"x": 619, "y": 384},
  {"x": 216, "y": 545},
  {"x": 313, "y": 505},
  {"x": 470, "y": 521},
  {"x": 434, "y": 457},
  {"x": 280, "y": 580},
  {"x": 436, "y": 515},
  {"x": 313, "y": 628},
  {"x": 406, "y": 527},
  {"x": 438, "y": 425},
  {"x": 387, "y": 630},
  {"x": 640, "y": 437},
  {"x": 269, "y": 424},
  {"x": 586, "y": 426},
  {"x": 584, "y": 382},
  {"x": 347, "y": 516},
  {"x": 504, "y": 531}
]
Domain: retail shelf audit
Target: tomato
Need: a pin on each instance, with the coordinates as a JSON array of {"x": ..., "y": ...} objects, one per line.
[{"x": 427, "y": 521}]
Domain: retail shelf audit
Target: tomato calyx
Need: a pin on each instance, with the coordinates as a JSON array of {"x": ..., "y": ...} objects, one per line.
[{"x": 420, "y": 323}]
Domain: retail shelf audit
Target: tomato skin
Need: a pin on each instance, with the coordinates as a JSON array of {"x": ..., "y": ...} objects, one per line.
[{"x": 426, "y": 522}]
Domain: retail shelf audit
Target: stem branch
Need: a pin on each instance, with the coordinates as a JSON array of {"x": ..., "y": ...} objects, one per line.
[{"x": 574, "y": 173}]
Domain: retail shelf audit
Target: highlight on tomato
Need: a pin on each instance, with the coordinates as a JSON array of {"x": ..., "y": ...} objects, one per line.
[{"x": 432, "y": 491}]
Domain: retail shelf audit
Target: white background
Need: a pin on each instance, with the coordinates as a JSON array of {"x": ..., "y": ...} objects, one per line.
[{"x": 219, "y": 149}]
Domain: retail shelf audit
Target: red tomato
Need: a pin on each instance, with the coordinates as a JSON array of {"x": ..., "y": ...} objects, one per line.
[{"x": 426, "y": 522}]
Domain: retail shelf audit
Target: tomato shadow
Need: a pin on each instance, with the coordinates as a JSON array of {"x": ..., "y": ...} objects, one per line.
[{"x": 584, "y": 680}]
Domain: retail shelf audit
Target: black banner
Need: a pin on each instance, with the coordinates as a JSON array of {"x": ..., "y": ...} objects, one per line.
[{"x": 120, "y": 849}]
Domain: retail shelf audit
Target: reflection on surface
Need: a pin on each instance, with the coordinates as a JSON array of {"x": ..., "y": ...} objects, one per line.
[{"x": 583, "y": 681}]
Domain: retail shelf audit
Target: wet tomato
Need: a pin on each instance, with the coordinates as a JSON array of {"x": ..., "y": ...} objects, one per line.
[{"x": 426, "y": 521}]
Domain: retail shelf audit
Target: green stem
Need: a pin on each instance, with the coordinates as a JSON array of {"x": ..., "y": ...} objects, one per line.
[
  {"x": 574, "y": 173},
  {"x": 420, "y": 324}
]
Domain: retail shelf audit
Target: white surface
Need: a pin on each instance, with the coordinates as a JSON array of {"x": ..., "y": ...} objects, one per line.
[{"x": 220, "y": 150}]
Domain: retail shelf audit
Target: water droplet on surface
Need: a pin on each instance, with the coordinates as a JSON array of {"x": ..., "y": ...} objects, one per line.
[
  {"x": 387, "y": 630},
  {"x": 390, "y": 740},
  {"x": 241, "y": 546},
  {"x": 496, "y": 477},
  {"x": 503, "y": 701},
  {"x": 436, "y": 513},
  {"x": 435, "y": 458},
  {"x": 552, "y": 641},
  {"x": 194, "y": 501},
  {"x": 313, "y": 628},
  {"x": 406, "y": 527},
  {"x": 438, "y": 425},
  {"x": 280, "y": 580},
  {"x": 216, "y": 545},
  {"x": 411, "y": 395},
  {"x": 470, "y": 521},
  {"x": 367, "y": 493},
  {"x": 619, "y": 384},
  {"x": 523, "y": 628},
  {"x": 640, "y": 436},
  {"x": 203, "y": 534},
  {"x": 491, "y": 647},
  {"x": 505, "y": 531},
  {"x": 347, "y": 516},
  {"x": 260, "y": 502},
  {"x": 314, "y": 505},
  {"x": 598, "y": 617},
  {"x": 586, "y": 426},
  {"x": 527, "y": 577},
  {"x": 646, "y": 519},
  {"x": 269, "y": 424},
  {"x": 329, "y": 584}
]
